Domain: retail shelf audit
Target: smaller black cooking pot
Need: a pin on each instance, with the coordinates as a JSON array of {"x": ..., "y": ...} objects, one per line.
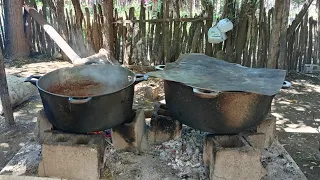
[{"x": 87, "y": 98}]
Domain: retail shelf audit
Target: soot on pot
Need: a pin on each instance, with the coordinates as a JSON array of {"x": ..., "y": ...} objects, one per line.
[{"x": 80, "y": 89}]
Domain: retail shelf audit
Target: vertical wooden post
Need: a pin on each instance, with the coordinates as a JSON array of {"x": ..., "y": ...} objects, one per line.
[
  {"x": 283, "y": 56},
  {"x": 4, "y": 94},
  {"x": 209, "y": 8},
  {"x": 109, "y": 35},
  {"x": 165, "y": 31},
  {"x": 177, "y": 32},
  {"x": 318, "y": 32},
  {"x": 142, "y": 53},
  {"x": 309, "y": 51}
]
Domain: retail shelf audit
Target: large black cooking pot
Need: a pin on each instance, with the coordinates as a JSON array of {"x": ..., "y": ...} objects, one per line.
[
  {"x": 219, "y": 113},
  {"x": 87, "y": 98}
]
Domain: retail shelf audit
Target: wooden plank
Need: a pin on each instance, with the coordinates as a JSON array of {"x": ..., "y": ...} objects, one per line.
[{"x": 4, "y": 94}]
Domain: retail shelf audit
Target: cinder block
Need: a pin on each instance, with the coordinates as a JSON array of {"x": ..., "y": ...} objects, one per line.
[
  {"x": 14, "y": 177},
  {"x": 257, "y": 140},
  {"x": 162, "y": 126},
  {"x": 152, "y": 91},
  {"x": 128, "y": 136},
  {"x": 268, "y": 127},
  {"x": 208, "y": 150},
  {"x": 231, "y": 157},
  {"x": 43, "y": 127},
  {"x": 72, "y": 156},
  {"x": 263, "y": 135}
]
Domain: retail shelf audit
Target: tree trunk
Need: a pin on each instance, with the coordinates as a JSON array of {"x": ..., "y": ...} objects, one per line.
[
  {"x": 296, "y": 49},
  {"x": 242, "y": 31},
  {"x": 229, "y": 12},
  {"x": 79, "y": 43},
  {"x": 4, "y": 94},
  {"x": 299, "y": 17},
  {"x": 62, "y": 24},
  {"x": 283, "y": 35},
  {"x": 78, "y": 12},
  {"x": 318, "y": 33},
  {"x": 253, "y": 42},
  {"x": 275, "y": 34},
  {"x": 166, "y": 40},
  {"x": 305, "y": 39},
  {"x": 177, "y": 32},
  {"x": 16, "y": 43},
  {"x": 108, "y": 31},
  {"x": 191, "y": 6},
  {"x": 309, "y": 53}
]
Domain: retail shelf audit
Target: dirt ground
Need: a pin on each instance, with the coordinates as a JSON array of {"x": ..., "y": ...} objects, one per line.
[
  {"x": 297, "y": 111},
  {"x": 298, "y": 119}
]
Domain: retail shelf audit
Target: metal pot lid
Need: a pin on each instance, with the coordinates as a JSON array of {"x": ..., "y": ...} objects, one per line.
[{"x": 204, "y": 72}]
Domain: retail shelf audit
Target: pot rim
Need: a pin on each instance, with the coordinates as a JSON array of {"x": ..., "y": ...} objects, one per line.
[{"x": 134, "y": 78}]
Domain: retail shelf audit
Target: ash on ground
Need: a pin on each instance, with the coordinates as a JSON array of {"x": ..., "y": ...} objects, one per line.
[
  {"x": 279, "y": 164},
  {"x": 172, "y": 160},
  {"x": 185, "y": 154}
]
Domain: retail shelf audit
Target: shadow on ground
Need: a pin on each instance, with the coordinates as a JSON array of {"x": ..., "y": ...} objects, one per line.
[{"x": 298, "y": 118}]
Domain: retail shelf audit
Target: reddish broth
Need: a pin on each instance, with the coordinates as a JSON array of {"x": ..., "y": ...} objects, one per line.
[{"x": 82, "y": 89}]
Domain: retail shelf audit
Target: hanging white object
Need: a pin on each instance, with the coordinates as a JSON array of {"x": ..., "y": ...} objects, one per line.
[
  {"x": 225, "y": 25},
  {"x": 215, "y": 36}
]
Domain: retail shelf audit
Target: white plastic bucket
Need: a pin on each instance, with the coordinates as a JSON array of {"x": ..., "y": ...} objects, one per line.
[
  {"x": 225, "y": 25},
  {"x": 215, "y": 36}
]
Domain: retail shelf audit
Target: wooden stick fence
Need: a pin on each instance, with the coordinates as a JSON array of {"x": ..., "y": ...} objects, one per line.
[{"x": 148, "y": 41}]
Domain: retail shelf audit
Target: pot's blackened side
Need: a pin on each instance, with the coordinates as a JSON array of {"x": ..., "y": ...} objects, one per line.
[
  {"x": 227, "y": 113},
  {"x": 100, "y": 113}
]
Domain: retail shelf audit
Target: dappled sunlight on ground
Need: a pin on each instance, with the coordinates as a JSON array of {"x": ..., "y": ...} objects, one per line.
[
  {"x": 298, "y": 116},
  {"x": 297, "y": 109}
]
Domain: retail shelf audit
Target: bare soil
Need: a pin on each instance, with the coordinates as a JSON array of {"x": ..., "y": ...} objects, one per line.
[
  {"x": 298, "y": 118},
  {"x": 297, "y": 111}
]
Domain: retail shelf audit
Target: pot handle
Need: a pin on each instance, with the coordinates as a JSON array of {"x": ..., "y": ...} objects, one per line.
[
  {"x": 160, "y": 67},
  {"x": 79, "y": 101},
  {"x": 140, "y": 78},
  {"x": 286, "y": 85},
  {"x": 34, "y": 82},
  {"x": 205, "y": 93}
]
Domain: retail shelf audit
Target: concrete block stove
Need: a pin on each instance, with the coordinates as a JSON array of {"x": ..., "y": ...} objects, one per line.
[{"x": 160, "y": 144}]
